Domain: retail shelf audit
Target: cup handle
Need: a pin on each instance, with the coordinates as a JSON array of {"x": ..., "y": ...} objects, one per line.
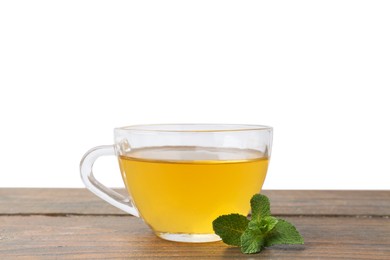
[{"x": 98, "y": 188}]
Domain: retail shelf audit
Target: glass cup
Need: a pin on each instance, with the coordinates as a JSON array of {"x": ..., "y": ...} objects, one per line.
[{"x": 180, "y": 177}]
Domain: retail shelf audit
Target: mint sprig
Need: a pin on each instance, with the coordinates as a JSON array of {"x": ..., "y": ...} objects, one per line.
[{"x": 263, "y": 230}]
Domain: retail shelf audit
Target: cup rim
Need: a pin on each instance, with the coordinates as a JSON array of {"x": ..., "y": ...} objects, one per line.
[{"x": 194, "y": 128}]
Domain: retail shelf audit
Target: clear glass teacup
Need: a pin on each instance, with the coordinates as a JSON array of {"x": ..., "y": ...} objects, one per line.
[{"x": 180, "y": 177}]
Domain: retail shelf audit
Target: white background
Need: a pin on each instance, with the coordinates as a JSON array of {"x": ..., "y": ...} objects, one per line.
[{"x": 317, "y": 71}]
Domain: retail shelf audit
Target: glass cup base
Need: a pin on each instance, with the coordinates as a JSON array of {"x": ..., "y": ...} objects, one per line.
[{"x": 189, "y": 238}]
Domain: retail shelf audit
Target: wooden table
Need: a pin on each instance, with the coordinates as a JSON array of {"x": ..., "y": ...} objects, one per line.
[{"x": 73, "y": 223}]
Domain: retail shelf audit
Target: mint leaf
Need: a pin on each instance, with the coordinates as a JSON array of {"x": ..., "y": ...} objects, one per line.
[
  {"x": 252, "y": 240},
  {"x": 230, "y": 228},
  {"x": 267, "y": 223},
  {"x": 260, "y": 206},
  {"x": 283, "y": 233}
]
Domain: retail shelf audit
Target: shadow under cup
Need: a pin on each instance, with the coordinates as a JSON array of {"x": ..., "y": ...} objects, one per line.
[{"x": 182, "y": 177}]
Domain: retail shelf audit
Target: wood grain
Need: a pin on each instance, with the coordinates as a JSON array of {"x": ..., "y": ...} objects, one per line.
[
  {"x": 74, "y": 224},
  {"x": 125, "y": 237},
  {"x": 53, "y": 201},
  {"x": 284, "y": 202}
]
